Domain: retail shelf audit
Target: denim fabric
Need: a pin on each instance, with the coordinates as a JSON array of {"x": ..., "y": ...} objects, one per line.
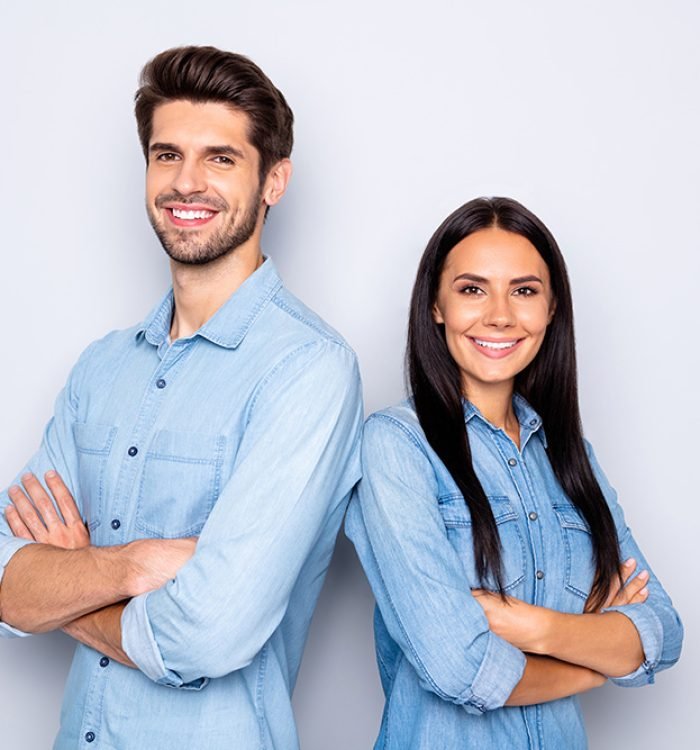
[
  {"x": 246, "y": 434},
  {"x": 446, "y": 677}
]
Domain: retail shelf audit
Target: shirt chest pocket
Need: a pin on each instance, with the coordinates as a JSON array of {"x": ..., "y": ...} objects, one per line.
[
  {"x": 93, "y": 443},
  {"x": 180, "y": 483},
  {"x": 458, "y": 524},
  {"x": 578, "y": 548}
]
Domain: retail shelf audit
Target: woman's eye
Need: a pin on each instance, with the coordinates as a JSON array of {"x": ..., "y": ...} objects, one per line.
[
  {"x": 471, "y": 289},
  {"x": 525, "y": 291}
]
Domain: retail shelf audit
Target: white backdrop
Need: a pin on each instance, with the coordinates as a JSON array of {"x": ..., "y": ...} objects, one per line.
[{"x": 588, "y": 113}]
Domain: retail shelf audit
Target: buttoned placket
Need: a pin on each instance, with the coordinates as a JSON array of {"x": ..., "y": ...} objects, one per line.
[
  {"x": 529, "y": 511},
  {"x": 171, "y": 357}
]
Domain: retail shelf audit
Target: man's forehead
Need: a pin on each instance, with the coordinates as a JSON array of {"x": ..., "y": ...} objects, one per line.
[{"x": 200, "y": 122}]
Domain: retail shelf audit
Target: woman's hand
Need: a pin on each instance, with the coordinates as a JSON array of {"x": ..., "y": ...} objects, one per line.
[
  {"x": 626, "y": 590},
  {"x": 514, "y": 620},
  {"x": 33, "y": 515}
]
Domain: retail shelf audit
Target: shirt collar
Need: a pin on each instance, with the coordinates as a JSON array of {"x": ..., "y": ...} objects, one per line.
[
  {"x": 530, "y": 421},
  {"x": 231, "y": 322}
]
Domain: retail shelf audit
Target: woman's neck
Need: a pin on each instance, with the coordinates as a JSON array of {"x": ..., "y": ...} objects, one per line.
[{"x": 495, "y": 402}]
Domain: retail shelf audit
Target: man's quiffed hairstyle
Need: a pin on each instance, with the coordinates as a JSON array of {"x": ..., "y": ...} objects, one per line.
[{"x": 207, "y": 74}]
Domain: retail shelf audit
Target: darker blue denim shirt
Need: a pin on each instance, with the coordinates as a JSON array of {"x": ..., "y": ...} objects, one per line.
[{"x": 445, "y": 675}]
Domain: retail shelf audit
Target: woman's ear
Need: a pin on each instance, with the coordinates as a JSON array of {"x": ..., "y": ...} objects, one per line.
[
  {"x": 552, "y": 310},
  {"x": 437, "y": 315}
]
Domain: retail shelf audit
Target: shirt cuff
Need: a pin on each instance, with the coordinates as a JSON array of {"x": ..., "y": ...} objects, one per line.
[
  {"x": 139, "y": 644},
  {"x": 8, "y": 547},
  {"x": 651, "y": 634},
  {"x": 501, "y": 670}
]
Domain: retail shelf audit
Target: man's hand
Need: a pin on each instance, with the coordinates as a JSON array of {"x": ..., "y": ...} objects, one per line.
[
  {"x": 154, "y": 562},
  {"x": 33, "y": 515},
  {"x": 64, "y": 577}
]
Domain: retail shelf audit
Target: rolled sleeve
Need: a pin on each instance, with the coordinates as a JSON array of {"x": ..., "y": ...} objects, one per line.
[
  {"x": 295, "y": 466},
  {"x": 141, "y": 647},
  {"x": 656, "y": 620},
  {"x": 8, "y": 546},
  {"x": 651, "y": 634},
  {"x": 501, "y": 670},
  {"x": 419, "y": 580}
]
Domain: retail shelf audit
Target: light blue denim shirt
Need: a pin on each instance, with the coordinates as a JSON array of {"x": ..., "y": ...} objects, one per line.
[
  {"x": 446, "y": 677},
  {"x": 247, "y": 435}
]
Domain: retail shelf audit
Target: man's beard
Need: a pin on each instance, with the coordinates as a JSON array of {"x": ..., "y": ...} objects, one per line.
[{"x": 186, "y": 247}]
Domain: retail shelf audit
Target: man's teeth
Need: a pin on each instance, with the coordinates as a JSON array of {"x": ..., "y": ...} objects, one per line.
[
  {"x": 496, "y": 344},
  {"x": 178, "y": 213}
]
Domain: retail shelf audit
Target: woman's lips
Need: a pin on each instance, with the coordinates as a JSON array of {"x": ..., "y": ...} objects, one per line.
[{"x": 495, "y": 348}]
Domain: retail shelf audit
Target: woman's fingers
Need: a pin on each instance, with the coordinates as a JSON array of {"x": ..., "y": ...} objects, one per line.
[{"x": 635, "y": 591}]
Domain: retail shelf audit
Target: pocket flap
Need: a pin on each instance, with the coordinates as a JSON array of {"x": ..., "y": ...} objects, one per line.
[{"x": 93, "y": 438}]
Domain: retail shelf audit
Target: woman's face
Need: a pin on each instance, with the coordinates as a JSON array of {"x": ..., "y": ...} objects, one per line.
[{"x": 495, "y": 302}]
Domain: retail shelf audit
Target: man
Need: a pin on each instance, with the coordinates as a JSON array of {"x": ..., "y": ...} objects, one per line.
[{"x": 207, "y": 453}]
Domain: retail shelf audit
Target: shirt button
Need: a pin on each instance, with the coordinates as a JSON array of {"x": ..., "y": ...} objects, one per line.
[
  {"x": 133, "y": 450},
  {"x": 512, "y": 462},
  {"x": 89, "y": 737},
  {"x": 116, "y": 523},
  {"x": 539, "y": 575},
  {"x": 104, "y": 661},
  {"x": 160, "y": 383},
  {"x": 532, "y": 516}
]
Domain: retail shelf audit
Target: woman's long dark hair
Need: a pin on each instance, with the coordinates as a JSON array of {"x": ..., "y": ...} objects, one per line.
[{"x": 548, "y": 384}]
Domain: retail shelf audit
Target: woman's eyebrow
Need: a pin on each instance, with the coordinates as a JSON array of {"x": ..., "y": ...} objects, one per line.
[
  {"x": 471, "y": 277},
  {"x": 524, "y": 279}
]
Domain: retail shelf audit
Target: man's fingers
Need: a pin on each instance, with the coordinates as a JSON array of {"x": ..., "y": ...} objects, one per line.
[
  {"x": 41, "y": 500},
  {"x": 16, "y": 524},
  {"x": 64, "y": 499},
  {"x": 27, "y": 513}
]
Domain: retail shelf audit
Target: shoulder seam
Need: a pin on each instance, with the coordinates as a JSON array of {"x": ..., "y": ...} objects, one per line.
[{"x": 308, "y": 323}]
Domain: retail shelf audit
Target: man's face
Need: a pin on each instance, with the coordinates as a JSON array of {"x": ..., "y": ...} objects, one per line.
[{"x": 203, "y": 192}]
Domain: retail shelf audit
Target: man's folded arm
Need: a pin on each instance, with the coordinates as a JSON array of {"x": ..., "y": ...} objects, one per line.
[
  {"x": 296, "y": 464},
  {"x": 58, "y": 452}
]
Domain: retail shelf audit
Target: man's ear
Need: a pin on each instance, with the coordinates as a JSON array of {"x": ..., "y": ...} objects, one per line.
[{"x": 276, "y": 182}]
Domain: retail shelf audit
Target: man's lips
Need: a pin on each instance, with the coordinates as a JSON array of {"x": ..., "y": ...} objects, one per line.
[
  {"x": 494, "y": 348},
  {"x": 190, "y": 215}
]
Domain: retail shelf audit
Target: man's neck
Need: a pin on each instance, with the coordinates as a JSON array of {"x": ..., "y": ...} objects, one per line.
[{"x": 200, "y": 291}]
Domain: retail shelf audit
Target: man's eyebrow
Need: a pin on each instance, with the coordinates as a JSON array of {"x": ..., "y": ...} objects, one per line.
[
  {"x": 163, "y": 147},
  {"x": 224, "y": 150}
]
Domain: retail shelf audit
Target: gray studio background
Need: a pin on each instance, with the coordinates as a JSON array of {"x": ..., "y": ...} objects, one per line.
[{"x": 586, "y": 112}]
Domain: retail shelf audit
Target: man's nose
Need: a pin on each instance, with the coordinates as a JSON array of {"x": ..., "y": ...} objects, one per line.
[{"x": 190, "y": 178}]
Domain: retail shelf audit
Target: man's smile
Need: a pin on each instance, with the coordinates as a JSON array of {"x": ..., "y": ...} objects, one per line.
[{"x": 189, "y": 216}]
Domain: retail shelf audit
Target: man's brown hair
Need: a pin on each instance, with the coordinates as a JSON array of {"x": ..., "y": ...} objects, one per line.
[{"x": 208, "y": 74}]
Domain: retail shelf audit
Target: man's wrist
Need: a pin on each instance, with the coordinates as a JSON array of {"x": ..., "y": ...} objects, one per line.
[{"x": 117, "y": 565}]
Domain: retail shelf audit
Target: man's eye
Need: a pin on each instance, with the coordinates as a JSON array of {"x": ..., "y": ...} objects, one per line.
[
  {"x": 220, "y": 159},
  {"x": 167, "y": 157}
]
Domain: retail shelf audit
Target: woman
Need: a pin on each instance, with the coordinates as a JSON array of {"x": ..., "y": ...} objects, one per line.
[{"x": 495, "y": 552}]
